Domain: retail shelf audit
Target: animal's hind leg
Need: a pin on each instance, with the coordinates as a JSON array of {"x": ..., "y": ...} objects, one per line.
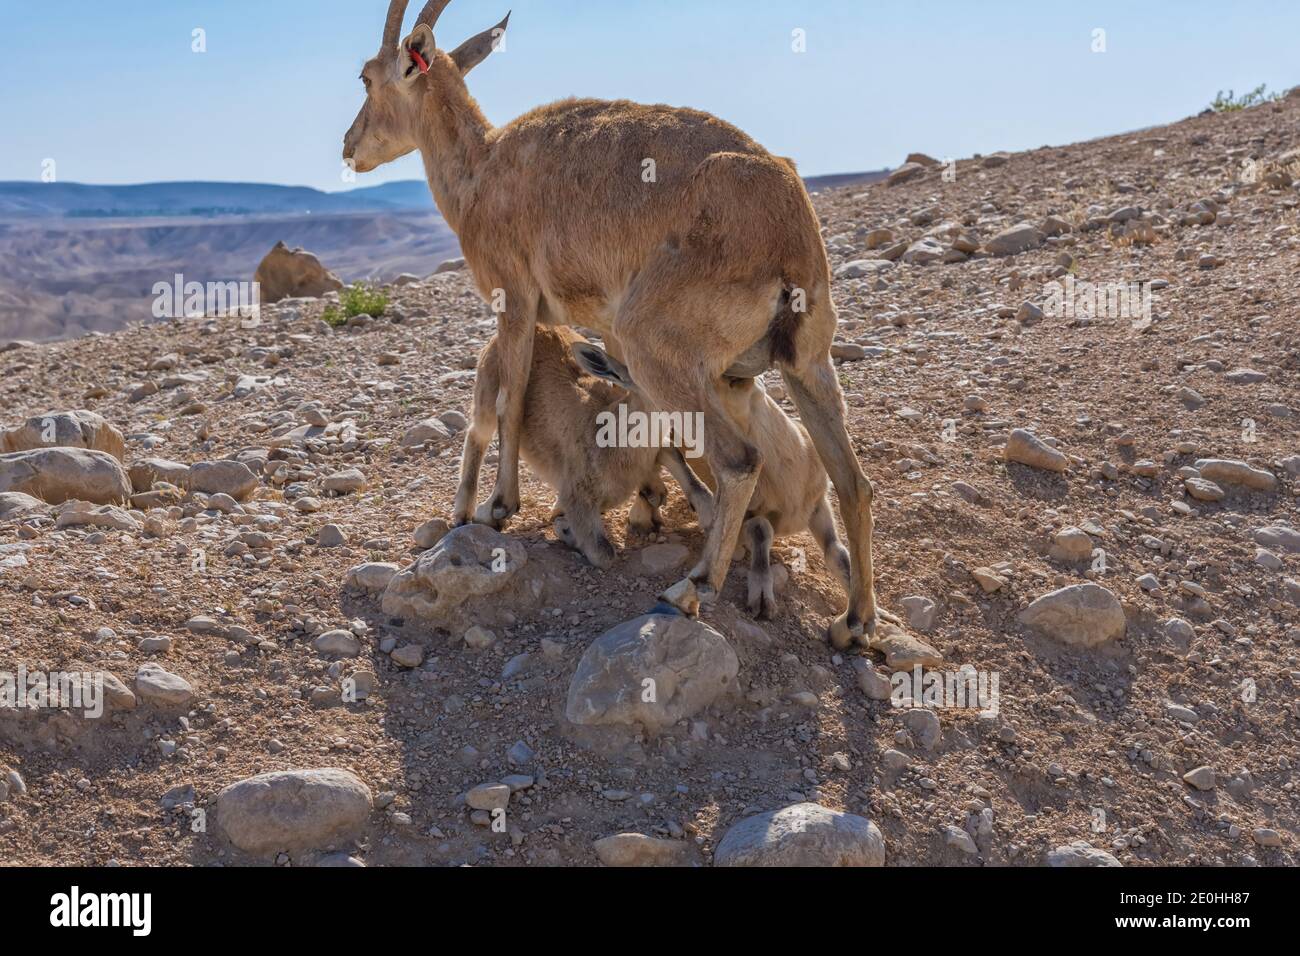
[
  {"x": 822, "y": 525},
  {"x": 684, "y": 321},
  {"x": 816, "y": 392},
  {"x": 734, "y": 460},
  {"x": 761, "y": 598}
]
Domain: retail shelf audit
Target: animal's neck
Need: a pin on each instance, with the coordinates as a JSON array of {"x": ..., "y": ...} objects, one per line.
[{"x": 453, "y": 140}]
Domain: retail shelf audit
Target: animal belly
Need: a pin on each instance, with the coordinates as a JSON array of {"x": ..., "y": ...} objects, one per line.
[{"x": 585, "y": 311}]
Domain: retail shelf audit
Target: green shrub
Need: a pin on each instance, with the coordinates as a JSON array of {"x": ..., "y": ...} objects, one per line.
[
  {"x": 1228, "y": 103},
  {"x": 356, "y": 299}
]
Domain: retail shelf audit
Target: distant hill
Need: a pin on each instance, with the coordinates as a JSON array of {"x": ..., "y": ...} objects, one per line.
[
  {"x": 26, "y": 200},
  {"x": 77, "y": 258},
  {"x": 32, "y": 200},
  {"x": 835, "y": 180}
]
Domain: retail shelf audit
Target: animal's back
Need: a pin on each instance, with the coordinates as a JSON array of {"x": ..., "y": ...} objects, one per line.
[{"x": 589, "y": 189}]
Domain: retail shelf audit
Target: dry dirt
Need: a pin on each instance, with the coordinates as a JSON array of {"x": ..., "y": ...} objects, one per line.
[{"x": 1084, "y": 746}]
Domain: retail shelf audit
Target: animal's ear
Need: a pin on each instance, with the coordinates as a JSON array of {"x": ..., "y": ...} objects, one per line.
[
  {"x": 477, "y": 48},
  {"x": 596, "y": 361},
  {"x": 417, "y": 53}
]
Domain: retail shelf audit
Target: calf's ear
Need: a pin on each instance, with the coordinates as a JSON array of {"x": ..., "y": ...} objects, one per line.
[{"x": 596, "y": 361}]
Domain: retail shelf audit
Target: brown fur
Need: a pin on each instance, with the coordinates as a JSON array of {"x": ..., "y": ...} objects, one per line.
[
  {"x": 559, "y": 443},
  {"x": 790, "y": 495},
  {"x": 681, "y": 275}
]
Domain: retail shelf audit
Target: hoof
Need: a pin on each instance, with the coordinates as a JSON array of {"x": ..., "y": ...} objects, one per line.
[
  {"x": 564, "y": 531},
  {"x": 483, "y": 515},
  {"x": 762, "y": 608},
  {"x": 600, "y": 556},
  {"x": 873, "y": 622},
  {"x": 684, "y": 597},
  {"x": 842, "y": 634},
  {"x": 496, "y": 511}
]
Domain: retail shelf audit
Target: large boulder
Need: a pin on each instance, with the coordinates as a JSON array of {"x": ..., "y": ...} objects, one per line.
[
  {"x": 232, "y": 478},
  {"x": 13, "y": 504},
  {"x": 905, "y": 173},
  {"x": 924, "y": 251},
  {"x": 293, "y": 810},
  {"x": 56, "y": 475},
  {"x": 1080, "y": 853},
  {"x": 804, "y": 834},
  {"x": 1228, "y": 471},
  {"x": 1081, "y": 614},
  {"x": 81, "y": 514},
  {"x": 145, "y": 472},
  {"x": 1279, "y": 537},
  {"x": 286, "y": 273},
  {"x": 651, "y": 671},
  {"x": 1025, "y": 447},
  {"x": 76, "y": 429},
  {"x": 464, "y": 579},
  {"x": 637, "y": 849},
  {"x": 159, "y": 687},
  {"x": 1018, "y": 238}
]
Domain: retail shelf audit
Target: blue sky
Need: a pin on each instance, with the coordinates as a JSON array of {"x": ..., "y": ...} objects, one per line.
[{"x": 112, "y": 92}]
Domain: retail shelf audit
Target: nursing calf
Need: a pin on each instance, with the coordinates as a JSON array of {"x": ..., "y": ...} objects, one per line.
[
  {"x": 790, "y": 495},
  {"x": 564, "y": 410}
]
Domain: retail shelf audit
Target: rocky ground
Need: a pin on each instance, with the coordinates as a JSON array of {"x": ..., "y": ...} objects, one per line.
[{"x": 1146, "y": 462}]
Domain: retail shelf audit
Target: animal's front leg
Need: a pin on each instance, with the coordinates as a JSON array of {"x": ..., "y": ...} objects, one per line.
[
  {"x": 643, "y": 518},
  {"x": 697, "y": 493},
  {"x": 515, "y": 328},
  {"x": 478, "y": 435}
]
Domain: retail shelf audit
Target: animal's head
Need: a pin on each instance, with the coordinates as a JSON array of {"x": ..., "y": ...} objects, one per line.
[{"x": 399, "y": 78}]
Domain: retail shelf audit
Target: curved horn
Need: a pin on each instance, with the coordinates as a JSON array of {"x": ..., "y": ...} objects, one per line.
[
  {"x": 431, "y": 12},
  {"x": 393, "y": 27}
]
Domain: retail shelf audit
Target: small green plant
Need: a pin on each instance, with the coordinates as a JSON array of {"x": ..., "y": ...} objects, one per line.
[
  {"x": 356, "y": 299},
  {"x": 1229, "y": 103}
]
